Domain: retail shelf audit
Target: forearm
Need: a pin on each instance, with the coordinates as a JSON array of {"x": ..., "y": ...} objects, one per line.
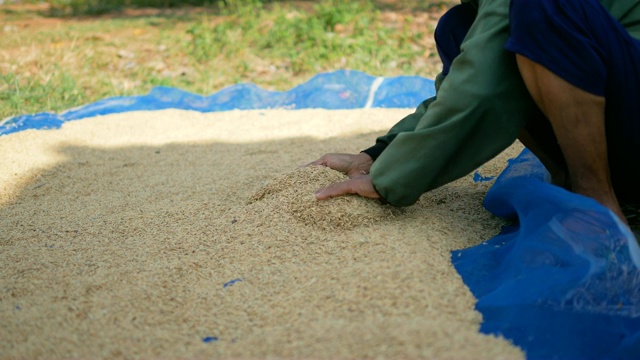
[
  {"x": 407, "y": 124},
  {"x": 480, "y": 109}
]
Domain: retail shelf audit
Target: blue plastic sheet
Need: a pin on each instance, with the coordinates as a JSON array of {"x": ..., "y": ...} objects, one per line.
[
  {"x": 562, "y": 282},
  {"x": 342, "y": 89}
]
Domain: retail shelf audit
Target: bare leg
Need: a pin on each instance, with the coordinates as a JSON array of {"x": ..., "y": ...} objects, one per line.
[
  {"x": 578, "y": 121},
  {"x": 558, "y": 174}
]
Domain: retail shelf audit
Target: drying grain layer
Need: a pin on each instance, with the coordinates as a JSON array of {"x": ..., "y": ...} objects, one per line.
[{"x": 180, "y": 234}]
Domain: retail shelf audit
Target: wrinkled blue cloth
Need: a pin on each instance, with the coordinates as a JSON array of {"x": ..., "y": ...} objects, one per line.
[
  {"x": 562, "y": 282},
  {"x": 343, "y": 89}
]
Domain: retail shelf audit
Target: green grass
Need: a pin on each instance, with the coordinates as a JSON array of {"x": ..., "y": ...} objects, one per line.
[
  {"x": 56, "y": 63},
  {"x": 55, "y": 94}
]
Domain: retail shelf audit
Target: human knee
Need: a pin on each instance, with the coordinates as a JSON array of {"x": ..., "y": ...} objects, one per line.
[
  {"x": 456, "y": 21},
  {"x": 451, "y": 30}
]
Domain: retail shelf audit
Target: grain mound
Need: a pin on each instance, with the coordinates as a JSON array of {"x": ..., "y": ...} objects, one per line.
[
  {"x": 175, "y": 234},
  {"x": 293, "y": 194}
]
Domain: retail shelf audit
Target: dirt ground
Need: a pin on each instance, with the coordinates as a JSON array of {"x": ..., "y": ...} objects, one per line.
[
  {"x": 66, "y": 62},
  {"x": 37, "y": 16}
]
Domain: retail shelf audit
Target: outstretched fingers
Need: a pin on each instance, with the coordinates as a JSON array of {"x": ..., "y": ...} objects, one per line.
[
  {"x": 353, "y": 165},
  {"x": 335, "y": 190},
  {"x": 361, "y": 185},
  {"x": 319, "y": 162}
]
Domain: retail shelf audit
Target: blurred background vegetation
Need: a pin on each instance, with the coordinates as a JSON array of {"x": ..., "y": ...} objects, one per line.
[
  {"x": 96, "y": 7},
  {"x": 60, "y": 54}
]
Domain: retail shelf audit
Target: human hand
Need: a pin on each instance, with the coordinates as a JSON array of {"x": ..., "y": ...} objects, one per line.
[
  {"x": 352, "y": 165},
  {"x": 360, "y": 185}
]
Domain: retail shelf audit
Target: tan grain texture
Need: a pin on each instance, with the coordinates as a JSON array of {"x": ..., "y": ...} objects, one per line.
[{"x": 119, "y": 233}]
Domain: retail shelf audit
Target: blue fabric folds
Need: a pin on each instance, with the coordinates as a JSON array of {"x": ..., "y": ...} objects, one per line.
[
  {"x": 343, "y": 89},
  {"x": 562, "y": 282}
]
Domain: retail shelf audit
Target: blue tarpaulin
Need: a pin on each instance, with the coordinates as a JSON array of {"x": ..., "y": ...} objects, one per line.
[
  {"x": 562, "y": 281},
  {"x": 337, "y": 90}
]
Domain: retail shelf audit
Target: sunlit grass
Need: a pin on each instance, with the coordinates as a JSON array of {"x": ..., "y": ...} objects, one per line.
[{"x": 53, "y": 63}]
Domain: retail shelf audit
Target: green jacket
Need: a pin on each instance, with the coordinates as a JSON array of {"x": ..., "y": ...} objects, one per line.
[{"x": 478, "y": 111}]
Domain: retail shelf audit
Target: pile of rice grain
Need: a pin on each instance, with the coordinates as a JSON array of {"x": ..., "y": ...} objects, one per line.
[
  {"x": 293, "y": 194},
  {"x": 181, "y": 234}
]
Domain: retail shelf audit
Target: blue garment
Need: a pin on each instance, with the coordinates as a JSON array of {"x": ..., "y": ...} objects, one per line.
[
  {"x": 452, "y": 28},
  {"x": 582, "y": 43}
]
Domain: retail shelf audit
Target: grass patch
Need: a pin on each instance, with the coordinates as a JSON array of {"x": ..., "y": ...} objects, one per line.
[
  {"x": 336, "y": 32},
  {"x": 54, "y": 93},
  {"x": 98, "y": 7},
  {"x": 53, "y": 64}
]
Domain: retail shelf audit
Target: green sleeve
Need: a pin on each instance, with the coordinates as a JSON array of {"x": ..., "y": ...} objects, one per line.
[
  {"x": 408, "y": 123},
  {"x": 479, "y": 111},
  {"x": 627, "y": 12}
]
